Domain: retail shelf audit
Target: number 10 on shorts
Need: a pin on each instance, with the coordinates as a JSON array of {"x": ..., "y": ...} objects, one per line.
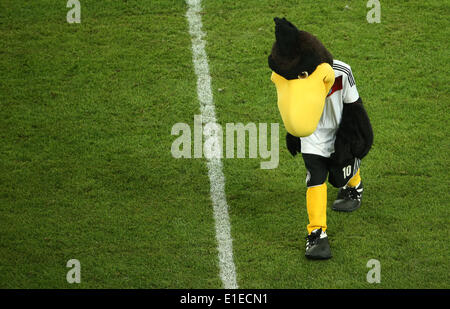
[{"x": 347, "y": 171}]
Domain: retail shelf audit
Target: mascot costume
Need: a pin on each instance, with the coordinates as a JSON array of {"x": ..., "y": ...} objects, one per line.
[{"x": 325, "y": 121}]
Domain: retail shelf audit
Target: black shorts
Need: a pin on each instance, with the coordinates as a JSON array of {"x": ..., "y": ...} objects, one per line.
[{"x": 318, "y": 168}]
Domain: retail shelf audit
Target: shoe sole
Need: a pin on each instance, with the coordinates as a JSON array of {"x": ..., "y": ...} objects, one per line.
[
  {"x": 346, "y": 210},
  {"x": 312, "y": 257}
]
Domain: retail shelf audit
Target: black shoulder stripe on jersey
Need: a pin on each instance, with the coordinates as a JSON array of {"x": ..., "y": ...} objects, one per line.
[
  {"x": 346, "y": 71},
  {"x": 342, "y": 69}
]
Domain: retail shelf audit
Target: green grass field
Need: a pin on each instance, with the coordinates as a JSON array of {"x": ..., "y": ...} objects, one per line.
[{"x": 87, "y": 173}]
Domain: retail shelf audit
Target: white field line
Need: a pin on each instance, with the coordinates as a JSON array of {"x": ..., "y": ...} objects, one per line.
[{"x": 214, "y": 164}]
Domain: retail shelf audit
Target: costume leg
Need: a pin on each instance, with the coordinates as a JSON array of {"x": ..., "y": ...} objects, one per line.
[
  {"x": 316, "y": 193},
  {"x": 316, "y": 204},
  {"x": 317, "y": 245},
  {"x": 348, "y": 179},
  {"x": 355, "y": 180}
]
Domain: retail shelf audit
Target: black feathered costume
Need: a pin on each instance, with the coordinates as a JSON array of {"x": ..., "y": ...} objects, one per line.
[{"x": 312, "y": 86}]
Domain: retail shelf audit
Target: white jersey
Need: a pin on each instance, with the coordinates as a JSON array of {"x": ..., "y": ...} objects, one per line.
[{"x": 321, "y": 142}]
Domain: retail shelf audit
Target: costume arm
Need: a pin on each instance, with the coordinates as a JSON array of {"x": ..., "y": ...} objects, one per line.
[
  {"x": 354, "y": 137},
  {"x": 293, "y": 144}
]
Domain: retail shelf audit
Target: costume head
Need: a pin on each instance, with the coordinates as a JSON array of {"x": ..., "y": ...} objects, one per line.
[{"x": 303, "y": 76}]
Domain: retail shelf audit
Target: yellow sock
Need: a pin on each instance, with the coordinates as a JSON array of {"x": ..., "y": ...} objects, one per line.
[
  {"x": 355, "y": 180},
  {"x": 316, "y": 205}
]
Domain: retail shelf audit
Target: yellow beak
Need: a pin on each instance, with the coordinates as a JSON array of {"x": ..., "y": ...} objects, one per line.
[{"x": 301, "y": 101}]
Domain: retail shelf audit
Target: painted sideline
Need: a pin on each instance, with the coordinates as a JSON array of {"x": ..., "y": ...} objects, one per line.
[{"x": 214, "y": 164}]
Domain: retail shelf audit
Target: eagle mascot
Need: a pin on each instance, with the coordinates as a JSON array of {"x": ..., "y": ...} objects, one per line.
[{"x": 325, "y": 121}]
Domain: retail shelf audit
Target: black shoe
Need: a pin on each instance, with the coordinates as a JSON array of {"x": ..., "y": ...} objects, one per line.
[
  {"x": 349, "y": 199},
  {"x": 317, "y": 246}
]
